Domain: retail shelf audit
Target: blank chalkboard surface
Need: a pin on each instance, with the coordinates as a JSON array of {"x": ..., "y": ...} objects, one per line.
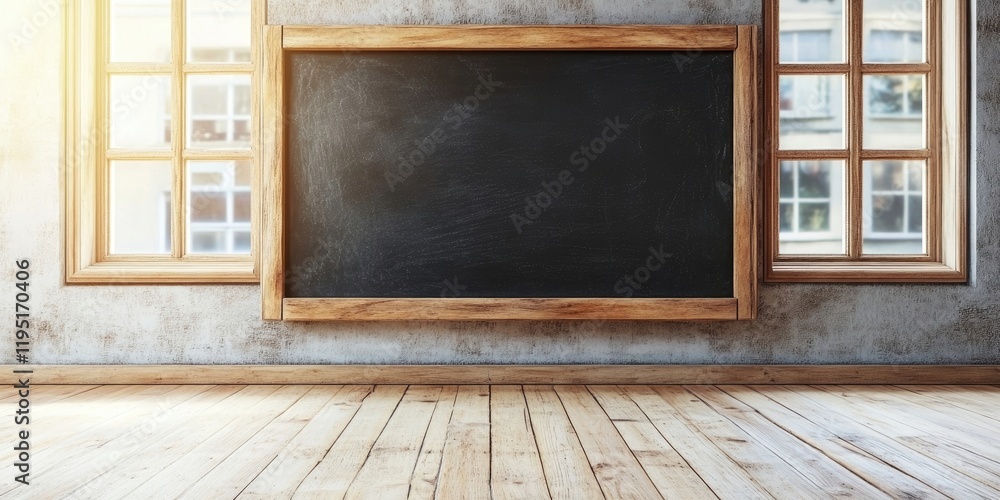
[{"x": 509, "y": 174}]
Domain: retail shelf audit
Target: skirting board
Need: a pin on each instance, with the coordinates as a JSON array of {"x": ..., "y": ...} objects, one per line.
[{"x": 505, "y": 374}]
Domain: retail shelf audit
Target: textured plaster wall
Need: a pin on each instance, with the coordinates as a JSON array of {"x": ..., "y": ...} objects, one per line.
[{"x": 219, "y": 324}]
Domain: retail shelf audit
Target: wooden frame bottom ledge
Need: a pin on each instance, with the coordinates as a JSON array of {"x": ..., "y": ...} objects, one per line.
[{"x": 505, "y": 374}]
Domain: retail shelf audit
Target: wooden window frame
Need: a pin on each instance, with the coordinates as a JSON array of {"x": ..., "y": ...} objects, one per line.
[
  {"x": 279, "y": 40},
  {"x": 85, "y": 155},
  {"x": 946, "y": 154}
]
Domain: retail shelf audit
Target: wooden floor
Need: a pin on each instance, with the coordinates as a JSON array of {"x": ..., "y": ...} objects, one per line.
[{"x": 521, "y": 442}]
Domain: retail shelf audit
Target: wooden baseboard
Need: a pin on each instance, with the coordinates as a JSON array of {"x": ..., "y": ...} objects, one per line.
[{"x": 506, "y": 374}]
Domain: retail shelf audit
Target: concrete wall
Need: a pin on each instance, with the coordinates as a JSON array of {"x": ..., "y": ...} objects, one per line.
[{"x": 218, "y": 324}]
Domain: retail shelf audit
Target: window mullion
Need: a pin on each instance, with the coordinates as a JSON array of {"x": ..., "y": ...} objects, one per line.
[
  {"x": 933, "y": 176},
  {"x": 102, "y": 242},
  {"x": 178, "y": 129},
  {"x": 855, "y": 100}
]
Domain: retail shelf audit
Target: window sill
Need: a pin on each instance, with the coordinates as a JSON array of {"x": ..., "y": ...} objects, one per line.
[
  {"x": 863, "y": 272},
  {"x": 177, "y": 272}
]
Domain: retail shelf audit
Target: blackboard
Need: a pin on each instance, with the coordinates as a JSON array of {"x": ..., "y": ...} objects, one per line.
[{"x": 508, "y": 172}]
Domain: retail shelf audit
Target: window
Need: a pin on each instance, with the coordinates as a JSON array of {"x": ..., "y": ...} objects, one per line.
[
  {"x": 866, "y": 119},
  {"x": 165, "y": 194}
]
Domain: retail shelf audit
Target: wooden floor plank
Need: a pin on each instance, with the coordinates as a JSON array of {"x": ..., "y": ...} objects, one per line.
[
  {"x": 86, "y": 409},
  {"x": 465, "y": 463},
  {"x": 425, "y": 474},
  {"x": 949, "y": 422},
  {"x": 830, "y": 417},
  {"x": 983, "y": 400},
  {"x": 389, "y": 468},
  {"x": 45, "y": 394},
  {"x": 422, "y": 442},
  {"x": 334, "y": 473},
  {"x": 567, "y": 471},
  {"x": 769, "y": 470},
  {"x": 283, "y": 474},
  {"x": 669, "y": 471},
  {"x": 896, "y": 483},
  {"x": 515, "y": 467},
  {"x": 80, "y": 442},
  {"x": 112, "y": 467},
  {"x": 618, "y": 472},
  {"x": 213, "y": 450},
  {"x": 726, "y": 478},
  {"x": 939, "y": 447},
  {"x": 828, "y": 475},
  {"x": 237, "y": 470}
]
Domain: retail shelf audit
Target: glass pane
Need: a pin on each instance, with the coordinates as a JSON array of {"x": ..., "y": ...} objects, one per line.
[
  {"x": 786, "y": 219},
  {"x": 219, "y": 206},
  {"x": 208, "y": 242},
  {"x": 814, "y": 179},
  {"x": 787, "y": 181},
  {"x": 894, "y": 112},
  {"x": 811, "y": 112},
  {"x": 207, "y": 206},
  {"x": 244, "y": 171},
  {"x": 894, "y": 31},
  {"x": 811, "y": 211},
  {"x": 814, "y": 217},
  {"x": 207, "y": 179},
  {"x": 218, "y": 31},
  {"x": 894, "y": 207},
  {"x": 811, "y": 31},
  {"x": 241, "y": 206},
  {"x": 140, "y": 111},
  {"x": 140, "y": 31},
  {"x": 140, "y": 207},
  {"x": 241, "y": 242},
  {"x": 888, "y": 176},
  {"x": 219, "y": 111},
  {"x": 210, "y": 99}
]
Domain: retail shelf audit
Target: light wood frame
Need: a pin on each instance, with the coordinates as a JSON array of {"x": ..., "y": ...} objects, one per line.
[
  {"x": 278, "y": 40},
  {"x": 946, "y": 155},
  {"x": 85, "y": 155}
]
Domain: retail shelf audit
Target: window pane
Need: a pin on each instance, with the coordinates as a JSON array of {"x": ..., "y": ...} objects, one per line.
[
  {"x": 219, "y": 206},
  {"x": 811, "y": 31},
  {"x": 244, "y": 171},
  {"x": 814, "y": 217},
  {"x": 241, "y": 242},
  {"x": 140, "y": 110},
  {"x": 814, "y": 179},
  {"x": 218, "y": 31},
  {"x": 894, "y": 112},
  {"x": 887, "y": 176},
  {"x": 219, "y": 111},
  {"x": 811, "y": 211},
  {"x": 241, "y": 206},
  {"x": 208, "y": 242},
  {"x": 140, "y": 31},
  {"x": 207, "y": 206},
  {"x": 811, "y": 112},
  {"x": 894, "y": 31},
  {"x": 140, "y": 207},
  {"x": 894, "y": 207},
  {"x": 786, "y": 218},
  {"x": 787, "y": 181},
  {"x": 209, "y": 99},
  {"x": 207, "y": 179}
]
